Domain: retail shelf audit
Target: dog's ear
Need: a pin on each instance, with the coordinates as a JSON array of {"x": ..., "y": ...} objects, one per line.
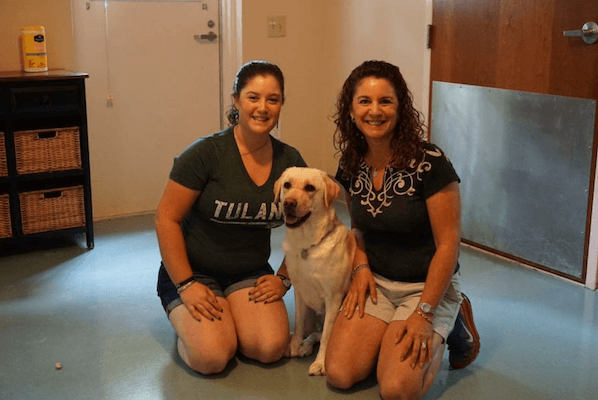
[
  {"x": 277, "y": 190},
  {"x": 331, "y": 190}
]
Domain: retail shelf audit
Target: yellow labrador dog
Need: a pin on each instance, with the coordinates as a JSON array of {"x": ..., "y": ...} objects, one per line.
[{"x": 318, "y": 251}]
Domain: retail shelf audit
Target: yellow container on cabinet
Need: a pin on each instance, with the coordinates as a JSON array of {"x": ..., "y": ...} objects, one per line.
[{"x": 35, "y": 58}]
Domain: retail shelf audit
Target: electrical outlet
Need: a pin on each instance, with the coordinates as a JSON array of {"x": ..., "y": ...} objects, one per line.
[{"x": 277, "y": 27}]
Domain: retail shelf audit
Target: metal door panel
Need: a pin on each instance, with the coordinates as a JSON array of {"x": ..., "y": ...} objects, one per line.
[{"x": 525, "y": 162}]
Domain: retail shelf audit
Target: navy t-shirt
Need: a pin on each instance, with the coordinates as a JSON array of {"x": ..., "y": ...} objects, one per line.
[
  {"x": 396, "y": 226},
  {"x": 228, "y": 228}
]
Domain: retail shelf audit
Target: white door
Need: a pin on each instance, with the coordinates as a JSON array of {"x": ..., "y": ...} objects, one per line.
[{"x": 154, "y": 87}]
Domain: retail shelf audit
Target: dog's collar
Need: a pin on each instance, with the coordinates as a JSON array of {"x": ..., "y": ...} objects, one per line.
[{"x": 305, "y": 252}]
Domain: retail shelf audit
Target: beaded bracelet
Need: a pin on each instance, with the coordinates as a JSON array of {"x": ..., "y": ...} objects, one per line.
[{"x": 360, "y": 266}]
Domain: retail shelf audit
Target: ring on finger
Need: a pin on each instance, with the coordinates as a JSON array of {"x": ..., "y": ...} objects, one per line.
[{"x": 424, "y": 345}]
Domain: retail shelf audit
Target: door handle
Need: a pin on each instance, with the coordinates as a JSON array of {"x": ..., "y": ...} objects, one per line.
[
  {"x": 210, "y": 37},
  {"x": 589, "y": 32}
]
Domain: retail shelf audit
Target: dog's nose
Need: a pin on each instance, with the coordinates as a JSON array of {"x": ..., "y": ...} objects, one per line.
[{"x": 290, "y": 204}]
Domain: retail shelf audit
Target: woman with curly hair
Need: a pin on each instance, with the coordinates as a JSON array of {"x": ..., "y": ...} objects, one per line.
[{"x": 403, "y": 197}]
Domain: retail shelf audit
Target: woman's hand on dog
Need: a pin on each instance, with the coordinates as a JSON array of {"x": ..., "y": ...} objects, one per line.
[
  {"x": 268, "y": 289},
  {"x": 363, "y": 282},
  {"x": 201, "y": 302},
  {"x": 415, "y": 341}
]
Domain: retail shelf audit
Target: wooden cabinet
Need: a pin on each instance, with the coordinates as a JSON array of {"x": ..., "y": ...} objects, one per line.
[{"x": 45, "y": 187}]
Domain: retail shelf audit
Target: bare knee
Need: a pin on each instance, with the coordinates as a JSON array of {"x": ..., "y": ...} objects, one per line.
[
  {"x": 397, "y": 390},
  {"x": 208, "y": 366},
  {"x": 270, "y": 355},
  {"x": 339, "y": 375},
  {"x": 266, "y": 352},
  {"x": 338, "y": 379},
  {"x": 209, "y": 362}
]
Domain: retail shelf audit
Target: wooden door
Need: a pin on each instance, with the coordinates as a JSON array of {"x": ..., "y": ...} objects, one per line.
[{"x": 518, "y": 45}]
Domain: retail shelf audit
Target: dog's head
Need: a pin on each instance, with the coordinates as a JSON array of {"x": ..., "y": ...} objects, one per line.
[{"x": 304, "y": 192}]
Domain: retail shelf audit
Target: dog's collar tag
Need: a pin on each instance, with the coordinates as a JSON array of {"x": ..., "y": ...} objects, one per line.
[{"x": 304, "y": 254}]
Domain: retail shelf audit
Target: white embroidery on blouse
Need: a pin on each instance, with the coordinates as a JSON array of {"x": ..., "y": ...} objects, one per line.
[{"x": 400, "y": 183}]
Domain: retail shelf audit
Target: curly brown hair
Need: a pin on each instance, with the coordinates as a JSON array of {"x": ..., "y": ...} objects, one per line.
[{"x": 409, "y": 134}]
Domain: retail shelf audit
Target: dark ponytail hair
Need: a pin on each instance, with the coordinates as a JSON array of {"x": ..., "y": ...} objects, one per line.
[{"x": 247, "y": 72}]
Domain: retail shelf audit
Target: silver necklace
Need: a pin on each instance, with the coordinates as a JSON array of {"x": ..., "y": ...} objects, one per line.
[
  {"x": 251, "y": 151},
  {"x": 375, "y": 170}
]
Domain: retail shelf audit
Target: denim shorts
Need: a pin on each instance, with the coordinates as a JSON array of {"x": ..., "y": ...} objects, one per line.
[{"x": 221, "y": 284}]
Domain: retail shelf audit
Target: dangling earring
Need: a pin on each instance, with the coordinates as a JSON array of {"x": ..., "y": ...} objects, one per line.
[{"x": 235, "y": 113}]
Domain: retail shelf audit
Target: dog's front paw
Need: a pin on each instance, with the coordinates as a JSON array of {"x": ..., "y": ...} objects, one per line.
[
  {"x": 295, "y": 347},
  {"x": 307, "y": 347},
  {"x": 317, "y": 369},
  {"x": 302, "y": 348}
]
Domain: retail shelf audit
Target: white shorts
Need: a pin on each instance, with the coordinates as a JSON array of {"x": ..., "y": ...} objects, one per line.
[{"x": 397, "y": 301}]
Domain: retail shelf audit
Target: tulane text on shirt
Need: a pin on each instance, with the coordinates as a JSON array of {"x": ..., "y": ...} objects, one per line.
[{"x": 239, "y": 211}]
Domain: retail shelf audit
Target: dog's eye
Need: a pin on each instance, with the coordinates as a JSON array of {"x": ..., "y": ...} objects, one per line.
[
  {"x": 287, "y": 185},
  {"x": 310, "y": 188}
]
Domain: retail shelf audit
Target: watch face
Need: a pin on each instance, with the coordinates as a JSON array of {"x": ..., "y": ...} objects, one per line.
[
  {"x": 286, "y": 282},
  {"x": 425, "y": 307}
]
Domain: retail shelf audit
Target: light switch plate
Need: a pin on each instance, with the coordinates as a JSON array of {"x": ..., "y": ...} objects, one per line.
[{"x": 277, "y": 27}]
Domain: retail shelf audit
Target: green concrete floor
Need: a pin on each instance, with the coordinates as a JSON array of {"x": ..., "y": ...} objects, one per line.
[{"x": 97, "y": 313}]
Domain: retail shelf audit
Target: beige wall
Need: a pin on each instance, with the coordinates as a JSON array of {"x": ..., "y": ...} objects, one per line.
[
  {"x": 54, "y": 15},
  {"x": 302, "y": 58},
  {"x": 389, "y": 30},
  {"x": 325, "y": 40}
]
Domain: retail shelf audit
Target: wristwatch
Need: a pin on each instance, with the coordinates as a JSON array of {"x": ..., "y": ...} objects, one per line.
[
  {"x": 286, "y": 282},
  {"x": 426, "y": 308}
]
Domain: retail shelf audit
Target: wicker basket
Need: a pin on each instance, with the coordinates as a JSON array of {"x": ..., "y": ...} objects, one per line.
[
  {"x": 47, "y": 150},
  {"x": 5, "y": 228},
  {"x": 51, "y": 210},
  {"x": 3, "y": 167}
]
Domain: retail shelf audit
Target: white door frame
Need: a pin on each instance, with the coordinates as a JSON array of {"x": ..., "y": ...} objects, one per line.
[
  {"x": 592, "y": 263},
  {"x": 231, "y": 50}
]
